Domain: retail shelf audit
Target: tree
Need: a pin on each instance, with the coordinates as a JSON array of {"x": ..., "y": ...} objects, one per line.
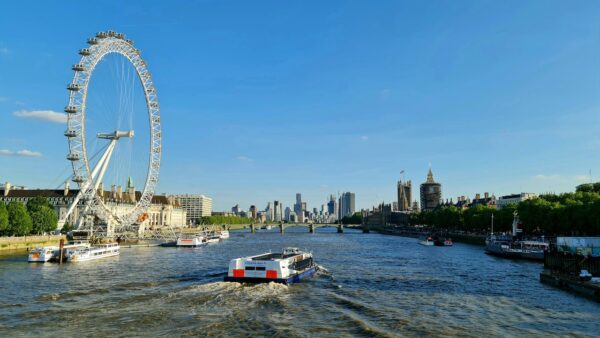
[
  {"x": 356, "y": 218},
  {"x": 44, "y": 220},
  {"x": 37, "y": 203},
  {"x": 66, "y": 228},
  {"x": 18, "y": 219},
  {"x": 3, "y": 219}
]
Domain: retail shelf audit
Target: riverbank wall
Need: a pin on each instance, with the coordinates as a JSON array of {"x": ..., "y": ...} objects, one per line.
[
  {"x": 569, "y": 283},
  {"x": 414, "y": 232},
  {"x": 25, "y": 243}
]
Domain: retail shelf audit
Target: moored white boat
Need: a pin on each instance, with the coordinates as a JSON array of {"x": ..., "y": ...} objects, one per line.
[
  {"x": 98, "y": 251},
  {"x": 289, "y": 266},
  {"x": 52, "y": 253},
  {"x": 224, "y": 234},
  {"x": 42, "y": 254},
  {"x": 213, "y": 238},
  {"x": 191, "y": 240}
]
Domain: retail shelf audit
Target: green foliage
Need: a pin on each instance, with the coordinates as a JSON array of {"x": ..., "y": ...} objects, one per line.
[
  {"x": 356, "y": 218},
  {"x": 18, "y": 219},
  {"x": 576, "y": 214},
  {"x": 66, "y": 228},
  {"x": 226, "y": 220},
  {"x": 37, "y": 203},
  {"x": 3, "y": 219},
  {"x": 44, "y": 220},
  {"x": 42, "y": 215}
]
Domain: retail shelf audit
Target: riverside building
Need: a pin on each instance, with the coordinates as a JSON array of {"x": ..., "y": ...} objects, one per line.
[
  {"x": 163, "y": 211},
  {"x": 513, "y": 199},
  {"x": 196, "y": 206}
]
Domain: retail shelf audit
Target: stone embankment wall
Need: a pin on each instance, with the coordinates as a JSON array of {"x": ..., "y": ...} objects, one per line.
[{"x": 26, "y": 243}]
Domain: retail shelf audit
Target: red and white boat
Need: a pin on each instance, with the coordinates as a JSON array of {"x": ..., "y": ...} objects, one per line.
[
  {"x": 287, "y": 267},
  {"x": 191, "y": 241}
]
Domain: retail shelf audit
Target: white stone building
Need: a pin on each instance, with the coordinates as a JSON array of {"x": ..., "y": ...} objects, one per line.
[
  {"x": 514, "y": 199},
  {"x": 163, "y": 212}
]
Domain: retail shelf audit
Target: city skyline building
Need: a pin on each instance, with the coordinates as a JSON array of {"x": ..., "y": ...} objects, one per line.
[
  {"x": 253, "y": 212},
  {"x": 347, "y": 204},
  {"x": 277, "y": 211},
  {"x": 404, "y": 195},
  {"x": 431, "y": 193}
]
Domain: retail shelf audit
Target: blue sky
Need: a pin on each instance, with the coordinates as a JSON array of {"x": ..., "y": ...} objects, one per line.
[{"x": 260, "y": 100}]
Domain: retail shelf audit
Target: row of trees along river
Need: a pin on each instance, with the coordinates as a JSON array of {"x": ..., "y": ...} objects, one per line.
[
  {"x": 576, "y": 213},
  {"x": 18, "y": 219}
]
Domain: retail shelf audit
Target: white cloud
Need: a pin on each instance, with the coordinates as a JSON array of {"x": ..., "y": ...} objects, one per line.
[
  {"x": 364, "y": 138},
  {"x": 20, "y": 153},
  {"x": 244, "y": 158},
  {"x": 45, "y": 115}
]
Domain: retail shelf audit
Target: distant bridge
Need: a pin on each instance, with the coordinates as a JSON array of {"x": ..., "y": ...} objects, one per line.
[{"x": 312, "y": 227}]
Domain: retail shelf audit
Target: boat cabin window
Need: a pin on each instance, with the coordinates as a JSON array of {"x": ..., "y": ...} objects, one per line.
[
  {"x": 260, "y": 268},
  {"x": 250, "y": 268}
]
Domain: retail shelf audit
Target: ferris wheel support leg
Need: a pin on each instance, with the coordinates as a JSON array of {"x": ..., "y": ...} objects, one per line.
[
  {"x": 102, "y": 167},
  {"x": 104, "y": 159}
]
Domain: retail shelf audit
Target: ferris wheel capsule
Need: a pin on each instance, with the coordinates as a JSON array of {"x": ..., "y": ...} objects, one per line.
[{"x": 71, "y": 109}]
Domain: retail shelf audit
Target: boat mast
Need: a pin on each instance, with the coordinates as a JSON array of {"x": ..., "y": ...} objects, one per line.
[{"x": 492, "y": 223}]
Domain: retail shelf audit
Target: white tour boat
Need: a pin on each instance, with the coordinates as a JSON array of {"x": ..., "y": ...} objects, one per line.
[
  {"x": 287, "y": 267},
  {"x": 224, "y": 234},
  {"x": 427, "y": 241},
  {"x": 42, "y": 254},
  {"x": 97, "y": 251},
  {"x": 52, "y": 253},
  {"x": 193, "y": 241}
]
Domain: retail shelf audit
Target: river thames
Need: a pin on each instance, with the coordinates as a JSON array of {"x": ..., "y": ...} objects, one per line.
[{"x": 370, "y": 285}]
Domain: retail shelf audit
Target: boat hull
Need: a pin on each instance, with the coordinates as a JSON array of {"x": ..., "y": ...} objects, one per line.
[
  {"x": 513, "y": 254},
  {"x": 287, "y": 281},
  {"x": 92, "y": 258},
  {"x": 39, "y": 257}
]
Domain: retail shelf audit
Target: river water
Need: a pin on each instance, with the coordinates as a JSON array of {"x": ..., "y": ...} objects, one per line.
[{"x": 371, "y": 285}]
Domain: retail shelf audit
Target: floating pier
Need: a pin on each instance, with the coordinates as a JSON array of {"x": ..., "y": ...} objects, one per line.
[
  {"x": 565, "y": 282},
  {"x": 561, "y": 269}
]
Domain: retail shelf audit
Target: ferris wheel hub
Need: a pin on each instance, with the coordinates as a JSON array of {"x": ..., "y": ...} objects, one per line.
[{"x": 117, "y": 134}]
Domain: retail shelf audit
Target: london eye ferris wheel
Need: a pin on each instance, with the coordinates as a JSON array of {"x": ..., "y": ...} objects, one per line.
[{"x": 113, "y": 129}]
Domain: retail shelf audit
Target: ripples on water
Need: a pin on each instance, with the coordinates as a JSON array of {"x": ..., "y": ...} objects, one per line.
[{"x": 371, "y": 285}]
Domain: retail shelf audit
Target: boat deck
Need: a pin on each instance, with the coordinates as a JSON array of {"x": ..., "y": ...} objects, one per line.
[{"x": 273, "y": 256}]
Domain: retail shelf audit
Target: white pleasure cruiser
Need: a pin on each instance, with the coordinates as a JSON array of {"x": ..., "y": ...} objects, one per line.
[
  {"x": 192, "y": 241},
  {"x": 52, "y": 253},
  {"x": 42, "y": 254},
  {"x": 224, "y": 234},
  {"x": 97, "y": 251}
]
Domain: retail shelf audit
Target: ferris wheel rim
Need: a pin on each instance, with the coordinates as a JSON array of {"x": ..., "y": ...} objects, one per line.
[{"x": 103, "y": 44}]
